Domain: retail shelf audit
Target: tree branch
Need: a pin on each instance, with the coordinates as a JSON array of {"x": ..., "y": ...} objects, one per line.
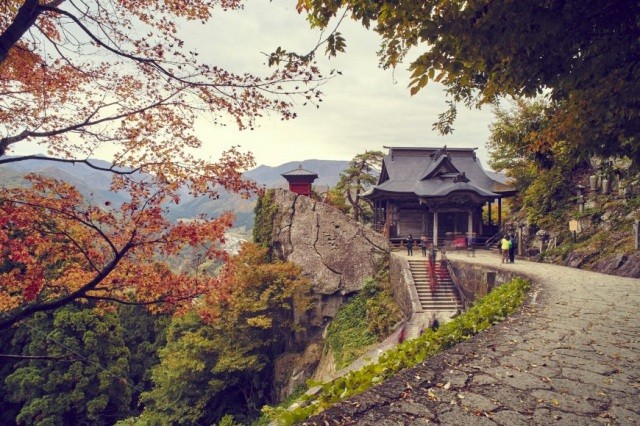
[
  {"x": 68, "y": 161},
  {"x": 20, "y": 314},
  {"x": 34, "y": 357},
  {"x": 25, "y": 18}
]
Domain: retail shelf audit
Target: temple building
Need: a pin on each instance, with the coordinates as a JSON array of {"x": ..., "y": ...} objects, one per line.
[
  {"x": 438, "y": 192},
  {"x": 300, "y": 180}
]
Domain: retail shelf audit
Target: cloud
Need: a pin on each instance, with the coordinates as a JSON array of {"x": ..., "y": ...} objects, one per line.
[{"x": 365, "y": 108}]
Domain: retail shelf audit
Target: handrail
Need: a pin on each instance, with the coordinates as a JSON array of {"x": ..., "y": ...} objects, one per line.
[
  {"x": 493, "y": 239},
  {"x": 454, "y": 278}
]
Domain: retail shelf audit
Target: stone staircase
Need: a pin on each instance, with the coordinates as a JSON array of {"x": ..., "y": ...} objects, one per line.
[{"x": 445, "y": 297}]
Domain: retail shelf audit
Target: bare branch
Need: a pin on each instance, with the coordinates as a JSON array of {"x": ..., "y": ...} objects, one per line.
[
  {"x": 69, "y": 357},
  {"x": 111, "y": 169}
]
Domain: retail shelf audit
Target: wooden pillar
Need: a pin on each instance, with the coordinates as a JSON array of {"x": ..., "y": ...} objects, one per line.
[
  {"x": 490, "y": 218},
  {"x": 435, "y": 228},
  {"x": 470, "y": 227},
  {"x": 499, "y": 212}
]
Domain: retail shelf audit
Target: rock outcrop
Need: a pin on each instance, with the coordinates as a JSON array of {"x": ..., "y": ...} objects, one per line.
[{"x": 336, "y": 253}]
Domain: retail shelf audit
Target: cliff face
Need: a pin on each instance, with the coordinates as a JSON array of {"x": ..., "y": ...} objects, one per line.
[{"x": 335, "y": 253}]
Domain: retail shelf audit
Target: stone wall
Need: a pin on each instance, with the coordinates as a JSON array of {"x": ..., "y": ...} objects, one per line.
[
  {"x": 404, "y": 290},
  {"x": 477, "y": 280}
]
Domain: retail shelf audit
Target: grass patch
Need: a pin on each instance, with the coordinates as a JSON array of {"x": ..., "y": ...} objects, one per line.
[{"x": 486, "y": 311}]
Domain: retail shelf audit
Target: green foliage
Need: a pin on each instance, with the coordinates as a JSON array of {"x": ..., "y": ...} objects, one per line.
[
  {"x": 145, "y": 335},
  {"x": 348, "y": 334},
  {"x": 547, "y": 197},
  {"x": 335, "y": 198},
  {"x": 489, "y": 310},
  {"x": 364, "y": 320},
  {"x": 219, "y": 358},
  {"x": 382, "y": 311},
  {"x": 539, "y": 172},
  {"x": 87, "y": 378},
  {"x": 265, "y": 212},
  {"x": 361, "y": 173}
]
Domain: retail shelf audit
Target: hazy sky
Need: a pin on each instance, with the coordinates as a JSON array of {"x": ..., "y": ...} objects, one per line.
[{"x": 365, "y": 108}]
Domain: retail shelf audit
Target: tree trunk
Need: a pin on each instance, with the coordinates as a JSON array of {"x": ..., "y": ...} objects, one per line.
[{"x": 25, "y": 18}]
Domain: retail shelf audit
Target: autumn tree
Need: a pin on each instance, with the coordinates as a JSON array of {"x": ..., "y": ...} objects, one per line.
[
  {"x": 541, "y": 176},
  {"x": 582, "y": 53},
  {"x": 362, "y": 172},
  {"x": 79, "y": 76},
  {"x": 219, "y": 357}
]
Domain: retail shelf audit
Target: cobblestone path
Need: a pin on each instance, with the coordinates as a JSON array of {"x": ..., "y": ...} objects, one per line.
[{"x": 570, "y": 356}]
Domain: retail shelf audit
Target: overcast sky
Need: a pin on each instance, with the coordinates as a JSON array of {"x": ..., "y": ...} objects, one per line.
[{"x": 365, "y": 108}]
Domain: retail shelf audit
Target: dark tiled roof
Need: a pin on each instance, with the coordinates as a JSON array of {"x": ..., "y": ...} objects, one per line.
[
  {"x": 299, "y": 172},
  {"x": 431, "y": 172}
]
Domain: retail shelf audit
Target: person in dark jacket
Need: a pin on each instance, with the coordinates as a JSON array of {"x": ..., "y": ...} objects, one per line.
[
  {"x": 512, "y": 248},
  {"x": 409, "y": 242}
]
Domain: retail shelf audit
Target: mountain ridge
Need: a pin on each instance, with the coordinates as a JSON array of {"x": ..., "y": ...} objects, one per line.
[{"x": 95, "y": 185}]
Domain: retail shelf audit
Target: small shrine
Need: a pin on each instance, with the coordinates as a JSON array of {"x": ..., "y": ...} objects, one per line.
[{"x": 300, "y": 180}]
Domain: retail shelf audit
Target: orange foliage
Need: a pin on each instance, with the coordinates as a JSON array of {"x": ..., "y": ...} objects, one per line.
[
  {"x": 57, "y": 247},
  {"x": 75, "y": 76}
]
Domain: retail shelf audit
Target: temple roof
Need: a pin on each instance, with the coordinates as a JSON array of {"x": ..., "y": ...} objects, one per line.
[
  {"x": 435, "y": 173},
  {"x": 299, "y": 172}
]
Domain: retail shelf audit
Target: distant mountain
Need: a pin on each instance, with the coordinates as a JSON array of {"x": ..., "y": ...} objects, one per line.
[
  {"x": 94, "y": 185},
  {"x": 328, "y": 172},
  {"x": 91, "y": 183}
]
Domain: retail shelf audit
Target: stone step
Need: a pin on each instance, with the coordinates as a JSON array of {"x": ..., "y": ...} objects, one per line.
[
  {"x": 442, "y": 284},
  {"x": 427, "y": 277},
  {"x": 440, "y": 308},
  {"x": 436, "y": 291},
  {"x": 439, "y": 284},
  {"x": 426, "y": 287},
  {"x": 439, "y": 303}
]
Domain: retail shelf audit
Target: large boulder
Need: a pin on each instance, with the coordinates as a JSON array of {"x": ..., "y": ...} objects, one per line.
[{"x": 335, "y": 252}]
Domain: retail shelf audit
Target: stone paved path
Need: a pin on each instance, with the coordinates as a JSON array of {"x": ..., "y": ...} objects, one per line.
[{"x": 571, "y": 356}]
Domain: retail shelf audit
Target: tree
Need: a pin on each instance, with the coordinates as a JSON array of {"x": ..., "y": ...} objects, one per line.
[
  {"x": 75, "y": 76},
  {"x": 80, "y": 370},
  {"x": 117, "y": 72},
  {"x": 541, "y": 176},
  {"x": 57, "y": 248},
  {"x": 219, "y": 357},
  {"x": 584, "y": 54},
  {"x": 362, "y": 172}
]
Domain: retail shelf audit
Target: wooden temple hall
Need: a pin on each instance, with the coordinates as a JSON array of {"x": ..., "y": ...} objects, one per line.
[{"x": 438, "y": 192}]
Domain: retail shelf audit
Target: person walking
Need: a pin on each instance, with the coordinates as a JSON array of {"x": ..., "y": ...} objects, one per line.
[
  {"x": 504, "y": 247},
  {"x": 512, "y": 248},
  {"x": 410, "y": 245},
  {"x": 433, "y": 283},
  {"x": 423, "y": 245},
  {"x": 434, "y": 323}
]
